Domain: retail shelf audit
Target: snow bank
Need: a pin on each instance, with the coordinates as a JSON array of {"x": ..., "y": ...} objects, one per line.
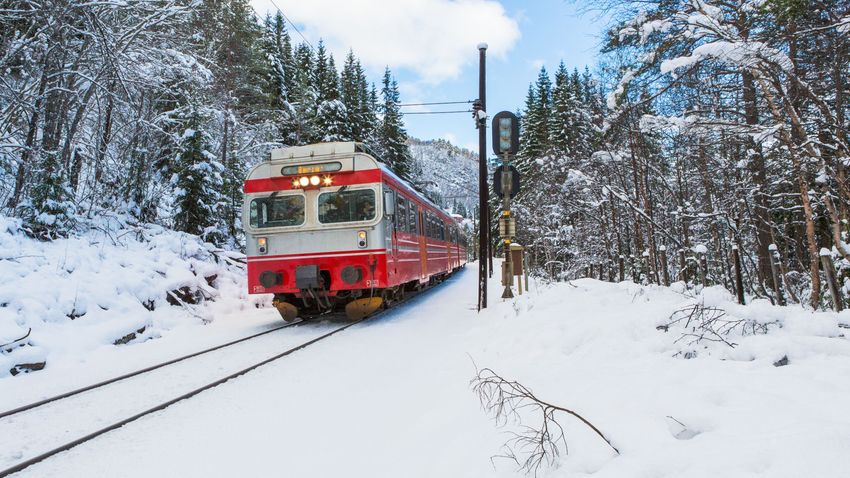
[
  {"x": 767, "y": 406},
  {"x": 117, "y": 282}
]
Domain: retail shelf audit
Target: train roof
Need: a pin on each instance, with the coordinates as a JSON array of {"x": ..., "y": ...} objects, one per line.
[{"x": 319, "y": 150}]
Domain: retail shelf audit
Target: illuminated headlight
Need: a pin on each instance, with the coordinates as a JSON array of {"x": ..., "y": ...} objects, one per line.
[
  {"x": 262, "y": 245},
  {"x": 314, "y": 180},
  {"x": 361, "y": 240},
  {"x": 327, "y": 180}
]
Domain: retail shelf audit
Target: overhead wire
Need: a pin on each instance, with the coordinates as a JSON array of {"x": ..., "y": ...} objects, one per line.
[
  {"x": 293, "y": 26},
  {"x": 437, "y": 103},
  {"x": 434, "y": 112}
]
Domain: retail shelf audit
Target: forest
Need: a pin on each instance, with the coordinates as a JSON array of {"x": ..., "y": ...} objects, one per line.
[
  {"x": 154, "y": 109},
  {"x": 711, "y": 129},
  {"x": 708, "y": 130}
]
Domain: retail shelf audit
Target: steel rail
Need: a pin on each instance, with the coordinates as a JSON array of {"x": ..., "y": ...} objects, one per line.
[
  {"x": 125, "y": 376},
  {"x": 67, "y": 446}
]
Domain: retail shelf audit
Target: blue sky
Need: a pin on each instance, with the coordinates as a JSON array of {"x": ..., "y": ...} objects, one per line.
[{"x": 431, "y": 47}]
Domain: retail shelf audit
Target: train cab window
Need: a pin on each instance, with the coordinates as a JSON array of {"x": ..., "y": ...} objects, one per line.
[
  {"x": 347, "y": 206},
  {"x": 280, "y": 211}
]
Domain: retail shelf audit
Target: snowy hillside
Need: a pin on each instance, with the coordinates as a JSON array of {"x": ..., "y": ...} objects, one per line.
[
  {"x": 447, "y": 173},
  {"x": 118, "y": 283}
]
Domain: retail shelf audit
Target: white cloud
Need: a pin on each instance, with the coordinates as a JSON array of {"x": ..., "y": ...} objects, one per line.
[{"x": 433, "y": 38}]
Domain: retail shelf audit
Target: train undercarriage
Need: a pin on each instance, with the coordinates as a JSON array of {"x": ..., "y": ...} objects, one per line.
[{"x": 315, "y": 302}]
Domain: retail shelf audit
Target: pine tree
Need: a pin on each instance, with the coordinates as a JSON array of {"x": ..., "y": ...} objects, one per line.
[
  {"x": 393, "y": 137},
  {"x": 355, "y": 97},
  {"x": 331, "y": 114},
  {"x": 278, "y": 49},
  {"x": 562, "y": 121},
  {"x": 198, "y": 179},
  {"x": 304, "y": 95}
]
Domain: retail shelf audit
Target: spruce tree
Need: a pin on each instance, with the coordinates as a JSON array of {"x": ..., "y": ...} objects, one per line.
[
  {"x": 331, "y": 114},
  {"x": 198, "y": 179},
  {"x": 278, "y": 50},
  {"x": 355, "y": 97},
  {"x": 562, "y": 124},
  {"x": 304, "y": 95},
  {"x": 393, "y": 137}
]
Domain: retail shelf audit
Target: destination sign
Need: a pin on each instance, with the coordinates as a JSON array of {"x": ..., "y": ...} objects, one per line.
[{"x": 311, "y": 168}]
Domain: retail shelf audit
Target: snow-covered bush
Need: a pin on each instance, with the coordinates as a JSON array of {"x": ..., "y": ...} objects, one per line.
[{"x": 114, "y": 283}]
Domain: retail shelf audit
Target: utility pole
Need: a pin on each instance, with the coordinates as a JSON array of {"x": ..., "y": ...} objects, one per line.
[{"x": 480, "y": 116}]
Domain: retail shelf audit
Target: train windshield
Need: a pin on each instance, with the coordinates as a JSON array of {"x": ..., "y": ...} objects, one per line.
[
  {"x": 280, "y": 211},
  {"x": 347, "y": 206}
]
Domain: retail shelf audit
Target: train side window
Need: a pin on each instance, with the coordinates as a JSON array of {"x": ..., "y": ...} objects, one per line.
[
  {"x": 414, "y": 218},
  {"x": 401, "y": 214}
]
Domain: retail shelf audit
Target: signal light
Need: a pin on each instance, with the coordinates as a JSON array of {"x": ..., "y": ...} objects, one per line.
[
  {"x": 361, "y": 239},
  {"x": 262, "y": 245}
]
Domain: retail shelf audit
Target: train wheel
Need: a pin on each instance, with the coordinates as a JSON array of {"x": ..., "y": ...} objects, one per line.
[
  {"x": 357, "y": 309},
  {"x": 288, "y": 311}
]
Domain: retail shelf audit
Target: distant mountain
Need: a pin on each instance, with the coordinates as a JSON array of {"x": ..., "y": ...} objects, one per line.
[{"x": 447, "y": 174}]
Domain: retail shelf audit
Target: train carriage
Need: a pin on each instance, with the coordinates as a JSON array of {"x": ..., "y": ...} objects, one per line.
[{"x": 328, "y": 226}]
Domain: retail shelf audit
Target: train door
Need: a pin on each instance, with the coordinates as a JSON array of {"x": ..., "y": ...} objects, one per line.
[
  {"x": 391, "y": 240},
  {"x": 423, "y": 247}
]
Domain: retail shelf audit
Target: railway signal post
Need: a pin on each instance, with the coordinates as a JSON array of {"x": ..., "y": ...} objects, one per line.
[{"x": 506, "y": 186}]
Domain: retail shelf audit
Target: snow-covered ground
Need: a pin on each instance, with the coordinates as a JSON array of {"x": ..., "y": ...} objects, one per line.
[
  {"x": 73, "y": 299},
  {"x": 392, "y": 397}
]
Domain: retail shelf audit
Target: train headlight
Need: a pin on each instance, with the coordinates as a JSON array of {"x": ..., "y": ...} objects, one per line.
[
  {"x": 304, "y": 181},
  {"x": 262, "y": 245},
  {"x": 314, "y": 180},
  {"x": 327, "y": 180},
  {"x": 361, "y": 240}
]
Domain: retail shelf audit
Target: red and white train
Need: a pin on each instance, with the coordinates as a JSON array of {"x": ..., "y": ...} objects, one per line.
[{"x": 328, "y": 225}]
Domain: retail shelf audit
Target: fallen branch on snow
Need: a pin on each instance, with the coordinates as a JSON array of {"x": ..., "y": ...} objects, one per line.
[
  {"x": 503, "y": 399},
  {"x": 711, "y": 324}
]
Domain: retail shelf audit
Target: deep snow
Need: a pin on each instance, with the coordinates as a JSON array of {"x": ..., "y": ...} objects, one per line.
[{"x": 392, "y": 397}]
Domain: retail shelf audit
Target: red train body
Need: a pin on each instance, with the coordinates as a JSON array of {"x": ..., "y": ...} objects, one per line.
[{"x": 329, "y": 225}]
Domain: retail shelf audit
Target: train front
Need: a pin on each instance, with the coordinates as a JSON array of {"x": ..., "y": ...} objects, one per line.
[{"x": 315, "y": 230}]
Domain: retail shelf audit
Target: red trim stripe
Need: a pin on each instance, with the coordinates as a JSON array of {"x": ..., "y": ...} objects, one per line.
[
  {"x": 322, "y": 254},
  {"x": 284, "y": 183}
]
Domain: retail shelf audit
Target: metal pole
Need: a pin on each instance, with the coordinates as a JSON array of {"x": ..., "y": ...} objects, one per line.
[
  {"x": 483, "y": 191},
  {"x": 506, "y": 215}
]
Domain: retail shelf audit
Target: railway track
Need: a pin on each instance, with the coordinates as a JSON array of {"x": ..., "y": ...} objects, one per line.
[
  {"x": 11, "y": 414},
  {"x": 22, "y": 465},
  {"x": 125, "y": 376}
]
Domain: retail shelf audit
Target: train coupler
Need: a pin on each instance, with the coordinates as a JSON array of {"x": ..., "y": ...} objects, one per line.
[
  {"x": 288, "y": 311},
  {"x": 359, "y": 308}
]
